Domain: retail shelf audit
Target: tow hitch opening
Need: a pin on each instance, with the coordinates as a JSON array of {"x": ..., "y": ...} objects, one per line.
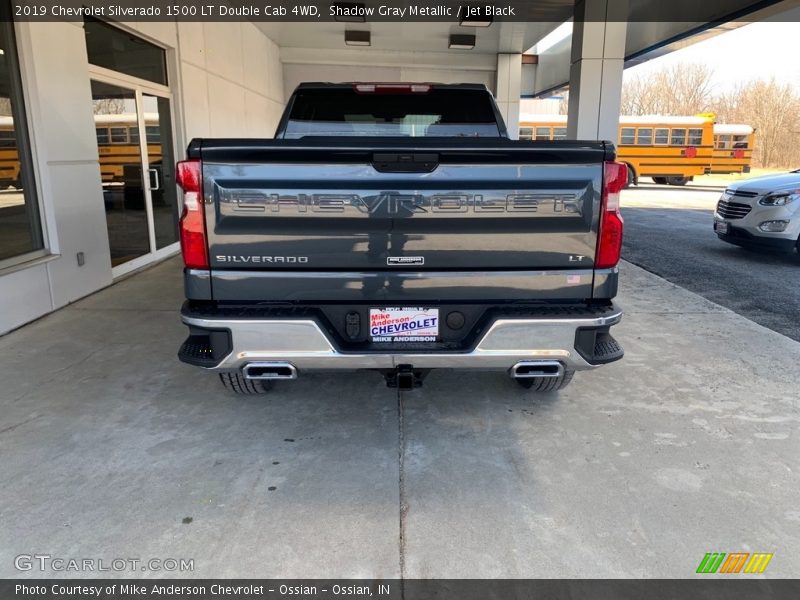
[{"x": 405, "y": 377}]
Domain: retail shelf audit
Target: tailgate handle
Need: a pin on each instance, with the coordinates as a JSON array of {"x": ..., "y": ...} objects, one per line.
[{"x": 404, "y": 162}]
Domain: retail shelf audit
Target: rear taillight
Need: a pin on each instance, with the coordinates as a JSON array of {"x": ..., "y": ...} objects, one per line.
[
  {"x": 609, "y": 246},
  {"x": 193, "y": 221}
]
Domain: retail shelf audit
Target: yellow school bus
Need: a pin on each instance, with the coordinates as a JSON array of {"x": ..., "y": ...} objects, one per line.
[
  {"x": 733, "y": 148},
  {"x": 117, "y": 145},
  {"x": 670, "y": 150},
  {"x": 9, "y": 160}
]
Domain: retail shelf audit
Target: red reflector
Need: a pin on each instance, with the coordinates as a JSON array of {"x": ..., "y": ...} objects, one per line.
[
  {"x": 193, "y": 247},
  {"x": 609, "y": 245},
  {"x": 392, "y": 88},
  {"x": 188, "y": 174}
]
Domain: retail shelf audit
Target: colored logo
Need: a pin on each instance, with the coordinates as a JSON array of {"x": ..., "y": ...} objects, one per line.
[{"x": 735, "y": 562}]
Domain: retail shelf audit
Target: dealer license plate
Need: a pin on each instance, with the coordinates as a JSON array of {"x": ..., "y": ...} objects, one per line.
[
  {"x": 404, "y": 324},
  {"x": 721, "y": 227}
]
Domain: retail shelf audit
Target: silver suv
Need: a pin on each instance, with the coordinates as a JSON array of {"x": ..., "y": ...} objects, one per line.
[{"x": 763, "y": 212}]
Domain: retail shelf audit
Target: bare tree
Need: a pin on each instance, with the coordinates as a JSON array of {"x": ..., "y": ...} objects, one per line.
[
  {"x": 563, "y": 103},
  {"x": 678, "y": 90},
  {"x": 5, "y": 107},
  {"x": 773, "y": 109},
  {"x": 109, "y": 106}
]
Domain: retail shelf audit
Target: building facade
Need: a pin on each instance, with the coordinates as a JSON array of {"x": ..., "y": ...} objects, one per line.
[
  {"x": 82, "y": 200},
  {"x": 93, "y": 116}
]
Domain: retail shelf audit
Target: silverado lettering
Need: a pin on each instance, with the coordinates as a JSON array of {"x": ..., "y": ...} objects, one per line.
[
  {"x": 396, "y": 203},
  {"x": 261, "y": 259}
]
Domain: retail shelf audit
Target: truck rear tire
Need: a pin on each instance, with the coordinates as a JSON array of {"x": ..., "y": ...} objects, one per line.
[
  {"x": 546, "y": 384},
  {"x": 237, "y": 384},
  {"x": 631, "y": 176},
  {"x": 678, "y": 180}
]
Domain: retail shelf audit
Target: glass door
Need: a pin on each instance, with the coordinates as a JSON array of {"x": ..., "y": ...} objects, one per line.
[
  {"x": 117, "y": 129},
  {"x": 161, "y": 169},
  {"x": 136, "y": 150}
]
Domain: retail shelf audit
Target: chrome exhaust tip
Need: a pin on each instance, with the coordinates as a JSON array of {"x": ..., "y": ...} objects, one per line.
[
  {"x": 269, "y": 370},
  {"x": 525, "y": 369}
]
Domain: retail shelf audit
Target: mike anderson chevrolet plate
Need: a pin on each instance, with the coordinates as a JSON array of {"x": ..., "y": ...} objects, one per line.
[{"x": 404, "y": 324}]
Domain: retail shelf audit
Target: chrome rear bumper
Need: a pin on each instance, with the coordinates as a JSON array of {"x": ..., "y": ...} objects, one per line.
[{"x": 304, "y": 345}]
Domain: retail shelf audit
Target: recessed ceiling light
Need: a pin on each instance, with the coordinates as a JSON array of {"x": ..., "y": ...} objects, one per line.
[
  {"x": 460, "y": 41},
  {"x": 357, "y": 38}
]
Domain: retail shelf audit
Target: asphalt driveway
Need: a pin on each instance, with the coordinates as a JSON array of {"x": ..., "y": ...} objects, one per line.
[{"x": 668, "y": 231}]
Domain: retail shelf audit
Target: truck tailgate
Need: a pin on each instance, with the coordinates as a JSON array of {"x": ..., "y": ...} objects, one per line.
[{"x": 370, "y": 206}]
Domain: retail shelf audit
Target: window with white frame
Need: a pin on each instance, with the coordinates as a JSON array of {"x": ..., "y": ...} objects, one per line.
[{"x": 20, "y": 223}]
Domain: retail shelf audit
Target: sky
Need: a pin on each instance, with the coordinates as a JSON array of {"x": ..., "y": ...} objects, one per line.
[
  {"x": 757, "y": 50},
  {"x": 753, "y": 51}
]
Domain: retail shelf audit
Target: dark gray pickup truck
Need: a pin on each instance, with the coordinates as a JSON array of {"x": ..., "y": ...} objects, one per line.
[{"x": 396, "y": 228}]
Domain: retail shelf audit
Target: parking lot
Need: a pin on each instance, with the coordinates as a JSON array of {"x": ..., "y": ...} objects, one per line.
[
  {"x": 669, "y": 228},
  {"x": 109, "y": 447}
]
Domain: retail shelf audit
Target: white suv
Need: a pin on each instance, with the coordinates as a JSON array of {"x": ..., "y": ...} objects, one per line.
[{"x": 763, "y": 212}]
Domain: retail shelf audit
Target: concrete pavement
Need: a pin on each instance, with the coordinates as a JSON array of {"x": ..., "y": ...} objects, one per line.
[{"x": 109, "y": 447}]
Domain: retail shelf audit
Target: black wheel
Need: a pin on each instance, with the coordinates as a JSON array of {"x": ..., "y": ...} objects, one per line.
[
  {"x": 660, "y": 180},
  {"x": 546, "y": 384},
  {"x": 236, "y": 383},
  {"x": 631, "y": 177},
  {"x": 678, "y": 180}
]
